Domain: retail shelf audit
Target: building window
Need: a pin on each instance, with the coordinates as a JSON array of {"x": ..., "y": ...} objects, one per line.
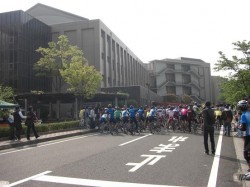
[
  {"x": 186, "y": 79},
  {"x": 170, "y": 66},
  {"x": 186, "y": 90},
  {"x": 185, "y": 67},
  {"x": 170, "y": 77},
  {"x": 171, "y": 89}
]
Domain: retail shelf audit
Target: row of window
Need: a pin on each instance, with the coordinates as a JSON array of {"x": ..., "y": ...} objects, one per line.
[
  {"x": 122, "y": 68},
  {"x": 172, "y": 90}
]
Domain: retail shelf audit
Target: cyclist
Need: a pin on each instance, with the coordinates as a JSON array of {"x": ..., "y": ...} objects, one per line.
[
  {"x": 190, "y": 116},
  {"x": 171, "y": 117},
  {"x": 245, "y": 126},
  {"x": 218, "y": 114},
  {"x": 132, "y": 115},
  {"x": 141, "y": 118},
  {"x": 184, "y": 118},
  {"x": 111, "y": 116},
  {"x": 125, "y": 119},
  {"x": 118, "y": 115}
]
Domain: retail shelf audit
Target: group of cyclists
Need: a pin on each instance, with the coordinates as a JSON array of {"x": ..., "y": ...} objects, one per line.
[{"x": 186, "y": 118}]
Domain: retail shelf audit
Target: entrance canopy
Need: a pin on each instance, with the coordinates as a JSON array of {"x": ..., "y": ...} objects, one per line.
[{"x": 6, "y": 105}]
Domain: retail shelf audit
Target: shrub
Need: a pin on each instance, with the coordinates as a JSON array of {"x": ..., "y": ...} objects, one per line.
[{"x": 44, "y": 127}]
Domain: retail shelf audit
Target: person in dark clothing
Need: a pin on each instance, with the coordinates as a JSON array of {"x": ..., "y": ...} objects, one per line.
[
  {"x": 227, "y": 116},
  {"x": 209, "y": 120},
  {"x": 18, "y": 117},
  {"x": 190, "y": 117},
  {"x": 30, "y": 120}
]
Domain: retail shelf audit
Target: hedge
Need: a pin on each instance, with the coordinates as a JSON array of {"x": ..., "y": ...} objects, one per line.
[{"x": 43, "y": 128}]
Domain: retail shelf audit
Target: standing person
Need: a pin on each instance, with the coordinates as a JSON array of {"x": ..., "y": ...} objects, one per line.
[
  {"x": 227, "y": 115},
  {"x": 92, "y": 118},
  {"x": 30, "y": 122},
  {"x": 245, "y": 126},
  {"x": 209, "y": 120},
  {"x": 18, "y": 117},
  {"x": 12, "y": 126},
  {"x": 81, "y": 116}
]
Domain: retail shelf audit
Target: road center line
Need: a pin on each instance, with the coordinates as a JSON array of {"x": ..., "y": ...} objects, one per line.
[
  {"x": 134, "y": 140},
  {"x": 214, "y": 171},
  {"x": 29, "y": 178}
]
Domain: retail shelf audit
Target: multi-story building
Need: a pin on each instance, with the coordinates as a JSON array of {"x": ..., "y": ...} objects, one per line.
[
  {"x": 102, "y": 48},
  {"x": 20, "y": 35},
  {"x": 183, "y": 76}
]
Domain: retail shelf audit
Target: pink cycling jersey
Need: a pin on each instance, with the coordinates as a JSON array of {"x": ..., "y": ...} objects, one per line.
[{"x": 184, "y": 111}]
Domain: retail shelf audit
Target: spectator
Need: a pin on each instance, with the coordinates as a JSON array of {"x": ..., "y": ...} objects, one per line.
[
  {"x": 30, "y": 122},
  {"x": 12, "y": 125},
  {"x": 227, "y": 116},
  {"x": 209, "y": 120},
  {"x": 18, "y": 117},
  {"x": 92, "y": 118},
  {"x": 82, "y": 116}
]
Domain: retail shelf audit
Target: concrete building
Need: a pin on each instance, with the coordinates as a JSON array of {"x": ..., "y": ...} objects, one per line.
[
  {"x": 20, "y": 35},
  {"x": 181, "y": 76},
  {"x": 118, "y": 65}
]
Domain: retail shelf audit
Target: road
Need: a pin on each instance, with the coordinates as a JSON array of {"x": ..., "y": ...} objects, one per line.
[{"x": 165, "y": 159}]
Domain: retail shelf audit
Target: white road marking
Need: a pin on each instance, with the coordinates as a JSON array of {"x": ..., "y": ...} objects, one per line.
[
  {"x": 214, "y": 171},
  {"x": 29, "y": 178},
  {"x": 89, "y": 182},
  {"x": 152, "y": 158},
  {"x": 48, "y": 144},
  {"x": 134, "y": 140}
]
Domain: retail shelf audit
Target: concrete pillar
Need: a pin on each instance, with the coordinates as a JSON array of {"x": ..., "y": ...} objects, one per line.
[
  {"x": 25, "y": 105},
  {"x": 116, "y": 101},
  {"x": 76, "y": 108},
  {"x": 57, "y": 109}
]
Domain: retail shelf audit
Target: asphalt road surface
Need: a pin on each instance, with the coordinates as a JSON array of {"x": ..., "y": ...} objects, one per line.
[{"x": 164, "y": 159}]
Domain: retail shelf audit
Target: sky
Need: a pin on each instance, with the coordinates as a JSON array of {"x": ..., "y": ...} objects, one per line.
[{"x": 158, "y": 29}]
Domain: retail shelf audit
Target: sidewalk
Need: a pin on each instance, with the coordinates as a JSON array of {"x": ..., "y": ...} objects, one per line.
[
  {"x": 239, "y": 144},
  {"x": 6, "y": 144}
]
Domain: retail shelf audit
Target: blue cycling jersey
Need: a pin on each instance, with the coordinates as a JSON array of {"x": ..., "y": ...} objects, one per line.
[
  {"x": 132, "y": 112},
  {"x": 111, "y": 112},
  {"x": 140, "y": 112},
  {"x": 245, "y": 118}
]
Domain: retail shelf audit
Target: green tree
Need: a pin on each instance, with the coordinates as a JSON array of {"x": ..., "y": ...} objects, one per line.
[
  {"x": 66, "y": 64},
  {"x": 82, "y": 79},
  {"x": 6, "y": 93},
  {"x": 237, "y": 85},
  {"x": 57, "y": 57},
  {"x": 186, "y": 99}
]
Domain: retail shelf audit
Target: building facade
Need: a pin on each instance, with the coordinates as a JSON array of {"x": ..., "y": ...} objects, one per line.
[
  {"x": 20, "y": 36},
  {"x": 118, "y": 65},
  {"x": 184, "y": 76}
]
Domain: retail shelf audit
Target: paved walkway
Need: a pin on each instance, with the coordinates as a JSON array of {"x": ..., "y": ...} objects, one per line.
[{"x": 6, "y": 144}]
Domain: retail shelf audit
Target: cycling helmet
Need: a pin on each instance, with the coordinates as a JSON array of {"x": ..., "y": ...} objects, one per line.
[{"x": 242, "y": 105}]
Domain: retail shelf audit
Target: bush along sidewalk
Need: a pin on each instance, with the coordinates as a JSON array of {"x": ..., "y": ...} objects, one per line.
[{"x": 43, "y": 128}]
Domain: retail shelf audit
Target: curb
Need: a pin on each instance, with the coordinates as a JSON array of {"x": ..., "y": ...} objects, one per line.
[
  {"x": 238, "y": 144},
  {"x": 21, "y": 144}
]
